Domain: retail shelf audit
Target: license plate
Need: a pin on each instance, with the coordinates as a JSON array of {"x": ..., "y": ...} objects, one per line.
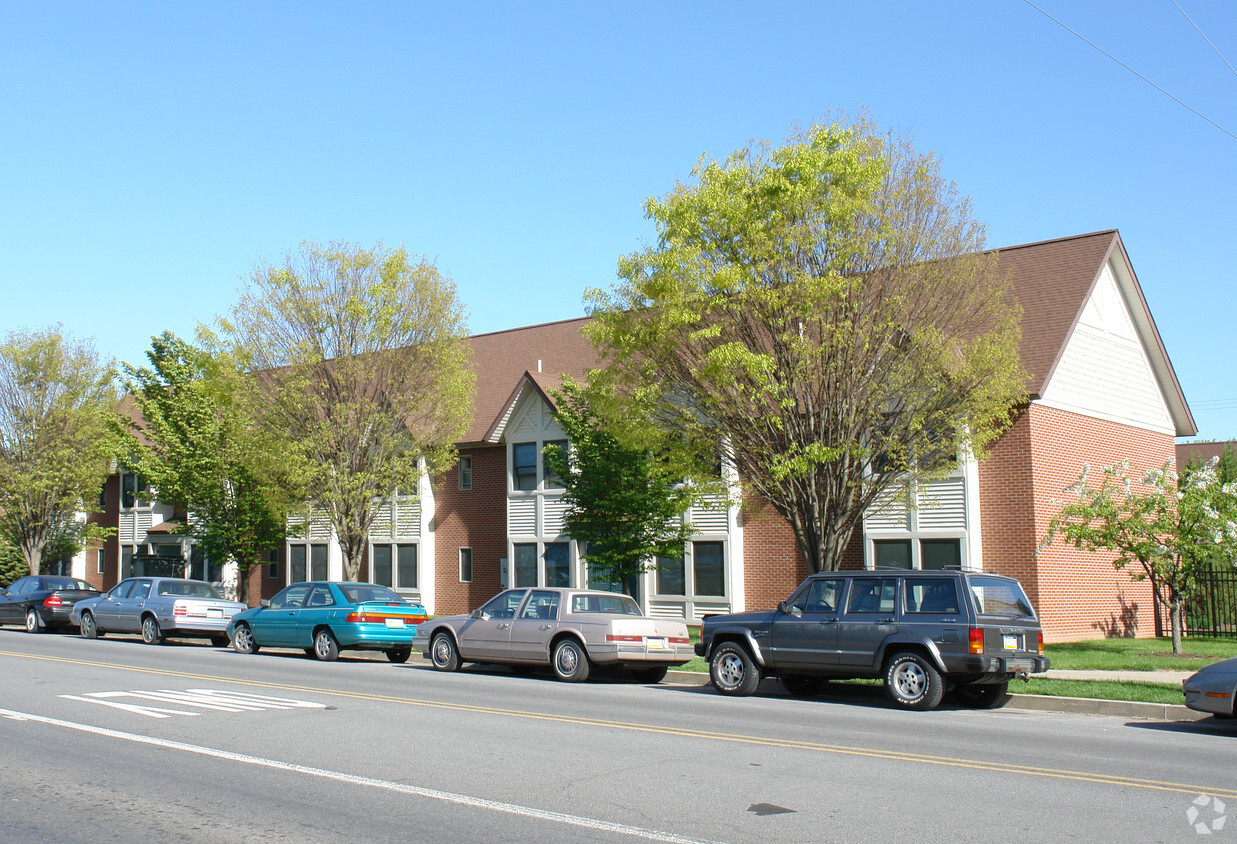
[
  {"x": 214, "y": 612},
  {"x": 658, "y": 644},
  {"x": 395, "y": 622},
  {"x": 1011, "y": 643}
]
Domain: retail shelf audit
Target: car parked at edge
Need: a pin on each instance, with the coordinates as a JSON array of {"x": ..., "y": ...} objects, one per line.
[
  {"x": 158, "y": 608},
  {"x": 922, "y": 632},
  {"x": 570, "y": 630},
  {"x": 42, "y": 602},
  {"x": 324, "y": 617},
  {"x": 1213, "y": 688}
]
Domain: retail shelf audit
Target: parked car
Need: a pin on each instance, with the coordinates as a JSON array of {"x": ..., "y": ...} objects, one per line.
[
  {"x": 923, "y": 632},
  {"x": 569, "y": 630},
  {"x": 41, "y": 601},
  {"x": 1213, "y": 688},
  {"x": 157, "y": 608},
  {"x": 325, "y": 617}
]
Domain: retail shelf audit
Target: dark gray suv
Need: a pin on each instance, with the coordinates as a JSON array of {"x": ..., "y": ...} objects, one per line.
[{"x": 923, "y": 632}]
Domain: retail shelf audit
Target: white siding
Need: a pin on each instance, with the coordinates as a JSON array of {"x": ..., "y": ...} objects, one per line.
[
  {"x": 711, "y": 519},
  {"x": 522, "y": 517},
  {"x": 889, "y": 512},
  {"x": 553, "y": 512},
  {"x": 942, "y": 504},
  {"x": 1104, "y": 370}
]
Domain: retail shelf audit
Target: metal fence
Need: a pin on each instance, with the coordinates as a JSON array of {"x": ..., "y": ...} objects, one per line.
[{"x": 1213, "y": 609}]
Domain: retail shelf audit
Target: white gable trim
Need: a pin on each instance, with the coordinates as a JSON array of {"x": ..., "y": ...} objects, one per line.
[{"x": 1105, "y": 370}]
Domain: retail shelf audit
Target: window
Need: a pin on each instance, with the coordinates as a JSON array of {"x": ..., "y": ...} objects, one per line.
[
  {"x": 101, "y": 561},
  {"x": 708, "y": 568},
  {"x": 395, "y": 565},
  {"x": 465, "y": 565},
  {"x": 126, "y": 561},
  {"x": 931, "y": 595},
  {"x": 940, "y": 553},
  {"x": 465, "y": 471},
  {"x": 132, "y": 488},
  {"x": 526, "y": 564},
  {"x": 315, "y": 555},
  {"x": 551, "y": 479},
  {"x": 272, "y": 566},
  {"x": 541, "y": 605},
  {"x": 819, "y": 596},
  {"x": 874, "y": 594},
  {"x": 291, "y": 598},
  {"x": 892, "y": 553},
  {"x": 671, "y": 576},
  {"x": 524, "y": 466},
  {"x": 557, "y": 564},
  {"x": 503, "y": 606}
]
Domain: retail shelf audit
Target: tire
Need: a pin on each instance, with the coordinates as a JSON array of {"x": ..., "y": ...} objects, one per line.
[
  {"x": 733, "y": 671},
  {"x": 987, "y": 696},
  {"x": 399, "y": 655},
  {"x": 570, "y": 661},
  {"x": 326, "y": 648},
  {"x": 34, "y": 624},
  {"x": 220, "y": 641},
  {"x": 651, "y": 675},
  {"x": 443, "y": 653},
  {"x": 243, "y": 641},
  {"x": 912, "y": 682},
  {"x": 87, "y": 625},
  {"x": 151, "y": 634},
  {"x": 801, "y": 685}
]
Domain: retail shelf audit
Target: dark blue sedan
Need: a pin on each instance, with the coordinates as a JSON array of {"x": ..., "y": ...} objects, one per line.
[
  {"x": 42, "y": 601},
  {"x": 324, "y": 617}
]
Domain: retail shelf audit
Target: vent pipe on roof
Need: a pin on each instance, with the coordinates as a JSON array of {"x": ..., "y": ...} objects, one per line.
[{"x": 538, "y": 365}]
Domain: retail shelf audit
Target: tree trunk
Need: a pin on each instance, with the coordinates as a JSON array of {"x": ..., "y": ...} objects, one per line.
[{"x": 1175, "y": 611}]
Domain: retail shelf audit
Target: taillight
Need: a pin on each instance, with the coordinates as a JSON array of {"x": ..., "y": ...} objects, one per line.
[
  {"x": 179, "y": 608},
  {"x": 1041, "y": 641},
  {"x": 976, "y": 636},
  {"x": 52, "y": 601},
  {"x": 356, "y": 618},
  {"x": 680, "y": 640},
  {"x": 610, "y": 637}
]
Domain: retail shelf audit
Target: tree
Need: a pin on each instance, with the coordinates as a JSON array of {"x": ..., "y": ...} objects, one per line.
[
  {"x": 197, "y": 445},
  {"x": 365, "y": 368},
  {"x": 12, "y": 564},
  {"x": 823, "y": 308},
  {"x": 1171, "y": 527},
  {"x": 55, "y": 446},
  {"x": 624, "y": 502}
]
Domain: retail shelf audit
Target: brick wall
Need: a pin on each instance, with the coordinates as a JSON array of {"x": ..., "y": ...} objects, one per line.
[
  {"x": 474, "y": 518},
  {"x": 773, "y": 566},
  {"x": 1078, "y": 595}
]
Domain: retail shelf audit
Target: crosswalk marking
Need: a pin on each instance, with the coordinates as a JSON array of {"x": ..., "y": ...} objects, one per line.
[{"x": 210, "y": 699}]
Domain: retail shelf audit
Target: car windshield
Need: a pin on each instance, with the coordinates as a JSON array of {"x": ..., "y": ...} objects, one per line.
[
  {"x": 67, "y": 583},
  {"x": 609, "y": 604},
  {"x": 995, "y": 596},
  {"x": 189, "y": 589},
  {"x": 360, "y": 593}
]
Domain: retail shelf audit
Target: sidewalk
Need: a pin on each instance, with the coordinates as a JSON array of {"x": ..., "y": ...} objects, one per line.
[{"x": 1053, "y": 703}]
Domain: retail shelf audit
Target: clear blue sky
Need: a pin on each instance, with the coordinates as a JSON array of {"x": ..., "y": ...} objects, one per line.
[{"x": 153, "y": 153}]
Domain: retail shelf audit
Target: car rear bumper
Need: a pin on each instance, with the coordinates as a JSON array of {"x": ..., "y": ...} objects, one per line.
[
  {"x": 375, "y": 636},
  {"x": 1011, "y": 666},
  {"x": 612, "y": 654}
]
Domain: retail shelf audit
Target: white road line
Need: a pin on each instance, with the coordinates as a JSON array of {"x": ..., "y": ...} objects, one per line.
[{"x": 402, "y": 788}]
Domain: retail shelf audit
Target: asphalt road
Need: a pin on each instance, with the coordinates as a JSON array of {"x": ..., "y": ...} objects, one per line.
[{"x": 113, "y": 740}]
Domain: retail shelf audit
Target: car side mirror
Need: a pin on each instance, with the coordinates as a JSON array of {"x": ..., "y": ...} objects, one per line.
[
  {"x": 476, "y": 613},
  {"x": 265, "y": 602},
  {"x": 788, "y": 608}
]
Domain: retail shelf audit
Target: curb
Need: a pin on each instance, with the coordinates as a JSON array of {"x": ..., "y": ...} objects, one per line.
[{"x": 1040, "y": 703}]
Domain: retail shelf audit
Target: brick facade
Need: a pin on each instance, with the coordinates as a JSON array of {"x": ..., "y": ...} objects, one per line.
[{"x": 473, "y": 518}]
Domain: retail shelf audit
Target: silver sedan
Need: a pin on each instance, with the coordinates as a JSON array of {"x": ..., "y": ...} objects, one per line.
[
  {"x": 570, "y": 630},
  {"x": 1213, "y": 688}
]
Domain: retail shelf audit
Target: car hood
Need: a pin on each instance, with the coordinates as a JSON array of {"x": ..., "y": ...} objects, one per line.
[
  {"x": 1223, "y": 668},
  {"x": 743, "y": 618}
]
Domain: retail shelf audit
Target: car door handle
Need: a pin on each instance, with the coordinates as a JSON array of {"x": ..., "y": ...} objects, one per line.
[
  {"x": 504, "y": 626},
  {"x": 884, "y": 620},
  {"x": 828, "y": 621},
  {"x": 545, "y": 627}
]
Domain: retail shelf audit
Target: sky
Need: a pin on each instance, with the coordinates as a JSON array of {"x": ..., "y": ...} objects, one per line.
[{"x": 153, "y": 154}]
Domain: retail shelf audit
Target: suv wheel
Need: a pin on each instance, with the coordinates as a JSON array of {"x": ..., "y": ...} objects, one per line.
[
  {"x": 912, "y": 682},
  {"x": 732, "y": 671},
  {"x": 987, "y": 696}
]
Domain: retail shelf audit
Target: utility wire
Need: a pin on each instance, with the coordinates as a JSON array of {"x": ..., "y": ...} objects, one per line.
[
  {"x": 1205, "y": 38},
  {"x": 1131, "y": 70}
]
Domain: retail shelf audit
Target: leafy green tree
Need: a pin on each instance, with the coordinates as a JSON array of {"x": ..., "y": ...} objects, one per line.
[
  {"x": 824, "y": 309},
  {"x": 55, "y": 447},
  {"x": 367, "y": 371},
  {"x": 12, "y": 564},
  {"x": 624, "y": 502},
  {"x": 1170, "y": 527},
  {"x": 197, "y": 445}
]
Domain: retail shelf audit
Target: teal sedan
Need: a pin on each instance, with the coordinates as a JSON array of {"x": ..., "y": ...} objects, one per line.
[{"x": 323, "y": 618}]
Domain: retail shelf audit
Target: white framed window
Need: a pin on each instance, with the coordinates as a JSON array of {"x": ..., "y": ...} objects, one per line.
[
  {"x": 700, "y": 572},
  {"x": 465, "y": 565},
  {"x": 134, "y": 492},
  {"x": 307, "y": 562},
  {"x": 101, "y": 561},
  {"x": 465, "y": 471},
  {"x": 394, "y": 564}
]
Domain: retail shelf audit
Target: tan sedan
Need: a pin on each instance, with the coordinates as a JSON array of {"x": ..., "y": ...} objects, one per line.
[{"x": 570, "y": 630}]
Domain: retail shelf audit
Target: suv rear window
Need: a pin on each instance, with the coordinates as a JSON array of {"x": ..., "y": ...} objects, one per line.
[
  {"x": 931, "y": 595},
  {"x": 994, "y": 596}
]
